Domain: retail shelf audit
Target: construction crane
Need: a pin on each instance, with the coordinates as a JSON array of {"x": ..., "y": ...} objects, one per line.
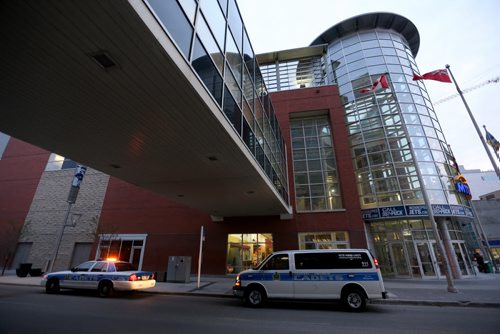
[{"x": 467, "y": 90}]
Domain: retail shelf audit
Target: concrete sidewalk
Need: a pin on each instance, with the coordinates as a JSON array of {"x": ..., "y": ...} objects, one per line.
[{"x": 482, "y": 290}]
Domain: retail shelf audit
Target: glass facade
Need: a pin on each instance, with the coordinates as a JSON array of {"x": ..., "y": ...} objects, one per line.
[
  {"x": 382, "y": 125},
  {"x": 314, "y": 166},
  {"x": 212, "y": 37}
]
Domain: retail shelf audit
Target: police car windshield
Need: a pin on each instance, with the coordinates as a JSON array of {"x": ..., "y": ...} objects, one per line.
[{"x": 124, "y": 266}]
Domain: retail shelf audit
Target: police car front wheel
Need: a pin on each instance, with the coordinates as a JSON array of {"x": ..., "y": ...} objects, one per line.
[{"x": 52, "y": 285}]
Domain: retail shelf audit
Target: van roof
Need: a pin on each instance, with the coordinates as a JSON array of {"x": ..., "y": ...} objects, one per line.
[{"x": 337, "y": 250}]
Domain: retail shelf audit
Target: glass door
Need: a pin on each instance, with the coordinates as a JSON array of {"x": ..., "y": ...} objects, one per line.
[
  {"x": 399, "y": 259},
  {"x": 425, "y": 259}
]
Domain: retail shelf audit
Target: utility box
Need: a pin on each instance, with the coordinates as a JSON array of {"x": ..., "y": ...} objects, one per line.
[{"x": 179, "y": 269}]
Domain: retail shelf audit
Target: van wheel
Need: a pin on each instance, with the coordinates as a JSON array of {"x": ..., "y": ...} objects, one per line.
[
  {"x": 105, "y": 289},
  {"x": 255, "y": 296},
  {"x": 52, "y": 286},
  {"x": 354, "y": 300}
]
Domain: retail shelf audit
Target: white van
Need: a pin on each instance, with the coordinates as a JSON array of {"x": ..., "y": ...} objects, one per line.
[{"x": 349, "y": 275}]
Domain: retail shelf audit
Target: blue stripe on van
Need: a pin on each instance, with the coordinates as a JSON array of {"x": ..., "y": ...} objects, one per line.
[{"x": 310, "y": 277}]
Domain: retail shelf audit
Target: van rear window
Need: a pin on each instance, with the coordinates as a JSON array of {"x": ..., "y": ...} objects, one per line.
[{"x": 347, "y": 260}]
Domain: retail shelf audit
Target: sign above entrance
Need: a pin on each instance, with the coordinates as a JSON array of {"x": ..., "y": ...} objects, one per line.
[{"x": 439, "y": 210}]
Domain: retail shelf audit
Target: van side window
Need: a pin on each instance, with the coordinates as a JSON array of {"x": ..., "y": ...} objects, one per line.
[
  {"x": 277, "y": 262},
  {"x": 347, "y": 260}
]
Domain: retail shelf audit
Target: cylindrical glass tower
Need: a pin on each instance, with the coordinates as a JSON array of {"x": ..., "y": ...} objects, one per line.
[{"x": 397, "y": 145}]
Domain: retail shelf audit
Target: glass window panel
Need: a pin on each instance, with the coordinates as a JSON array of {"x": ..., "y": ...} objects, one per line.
[
  {"x": 173, "y": 19},
  {"x": 207, "y": 71},
  {"x": 189, "y": 7},
  {"x": 235, "y": 23},
  {"x": 215, "y": 19},
  {"x": 209, "y": 43},
  {"x": 234, "y": 58}
]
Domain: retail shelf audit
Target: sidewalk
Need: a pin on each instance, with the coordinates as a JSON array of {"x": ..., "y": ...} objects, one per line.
[{"x": 479, "y": 291}]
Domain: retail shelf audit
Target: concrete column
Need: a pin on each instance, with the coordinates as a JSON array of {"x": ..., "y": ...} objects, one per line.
[{"x": 450, "y": 251}]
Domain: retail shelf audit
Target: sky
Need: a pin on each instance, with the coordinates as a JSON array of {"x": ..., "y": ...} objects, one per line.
[{"x": 463, "y": 34}]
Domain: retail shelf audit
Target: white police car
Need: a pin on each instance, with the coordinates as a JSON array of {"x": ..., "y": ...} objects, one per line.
[{"x": 104, "y": 276}]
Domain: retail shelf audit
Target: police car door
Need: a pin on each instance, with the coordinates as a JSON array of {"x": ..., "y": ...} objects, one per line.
[
  {"x": 79, "y": 277},
  {"x": 276, "y": 276}
]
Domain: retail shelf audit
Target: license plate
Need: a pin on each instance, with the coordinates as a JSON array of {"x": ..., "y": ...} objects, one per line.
[{"x": 144, "y": 278}]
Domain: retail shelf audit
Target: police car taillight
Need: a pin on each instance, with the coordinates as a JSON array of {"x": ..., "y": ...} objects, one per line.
[
  {"x": 132, "y": 277},
  {"x": 376, "y": 263}
]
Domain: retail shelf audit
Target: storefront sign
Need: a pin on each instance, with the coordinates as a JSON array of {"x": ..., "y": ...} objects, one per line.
[
  {"x": 439, "y": 210},
  {"x": 417, "y": 210},
  {"x": 392, "y": 211}
]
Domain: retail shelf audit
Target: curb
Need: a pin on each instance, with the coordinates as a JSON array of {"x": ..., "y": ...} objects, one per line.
[{"x": 434, "y": 303}]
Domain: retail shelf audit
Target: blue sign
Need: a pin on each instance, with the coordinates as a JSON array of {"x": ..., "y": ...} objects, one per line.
[
  {"x": 441, "y": 210},
  {"x": 417, "y": 210},
  {"x": 370, "y": 214},
  {"x": 392, "y": 211}
]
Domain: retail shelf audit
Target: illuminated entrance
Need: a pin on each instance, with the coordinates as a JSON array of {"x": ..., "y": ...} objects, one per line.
[
  {"x": 407, "y": 249},
  {"x": 245, "y": 251}
]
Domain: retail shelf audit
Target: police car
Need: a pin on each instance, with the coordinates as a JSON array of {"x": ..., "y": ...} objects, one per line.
[
  {"x": 105, "y": 276},
  {"x": 349, "y": 275}
]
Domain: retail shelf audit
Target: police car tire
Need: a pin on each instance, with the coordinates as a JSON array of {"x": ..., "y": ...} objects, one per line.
[
  {"x": 255, "y": 296},
  {"x": 52, "y": 286},
  {"x": 354, "y": 300},
  {"x": 105, "y": 289}
]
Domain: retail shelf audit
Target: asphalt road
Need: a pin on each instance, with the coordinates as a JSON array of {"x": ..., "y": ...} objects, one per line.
[{"x": 29, "y": 310}]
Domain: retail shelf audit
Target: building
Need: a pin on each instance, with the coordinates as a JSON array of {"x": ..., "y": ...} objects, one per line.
[{"x": 281, "y": 150}]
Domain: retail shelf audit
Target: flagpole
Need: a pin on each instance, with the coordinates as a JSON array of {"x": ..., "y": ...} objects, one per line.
[{"x": 475, "y": 124}]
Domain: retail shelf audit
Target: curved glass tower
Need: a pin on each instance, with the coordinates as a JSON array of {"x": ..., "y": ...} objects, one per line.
[{"x": 398, "y": 147}]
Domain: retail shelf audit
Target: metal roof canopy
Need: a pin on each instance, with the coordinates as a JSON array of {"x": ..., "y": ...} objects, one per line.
[
  {"x": 372, "y": 21},
  {"x": 147, "y": 120}
]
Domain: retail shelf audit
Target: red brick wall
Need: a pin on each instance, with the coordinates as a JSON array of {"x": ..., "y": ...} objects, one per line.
[
  {"x": 174, "y": 229},
  {"x": 21, "y": 167}
]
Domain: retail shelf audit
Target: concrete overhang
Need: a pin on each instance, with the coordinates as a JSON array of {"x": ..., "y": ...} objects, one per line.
[{"x": 147, "y": 120}]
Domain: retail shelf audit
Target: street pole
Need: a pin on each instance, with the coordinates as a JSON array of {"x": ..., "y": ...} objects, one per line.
[
  {"x": 202, "y": 238},
  {"x": 73, "y": 194},
  {"x": 492, "y": 160},
  {"x": 59, "y": 238},
  {"x": 439, "y": 243}
]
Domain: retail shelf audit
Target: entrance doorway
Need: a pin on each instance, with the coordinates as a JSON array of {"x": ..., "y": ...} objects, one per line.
[
  {"x": 425, "y": 258},
  {"x": 400, "y": 259}
]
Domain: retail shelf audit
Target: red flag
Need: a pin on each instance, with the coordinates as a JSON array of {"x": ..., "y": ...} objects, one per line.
[
  {"x": 438, "y": 75},
  {"x": 380, "y": 83}
]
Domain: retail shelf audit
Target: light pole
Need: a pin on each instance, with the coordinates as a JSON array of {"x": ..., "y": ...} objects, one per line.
[{"x": 73, "y": 193}]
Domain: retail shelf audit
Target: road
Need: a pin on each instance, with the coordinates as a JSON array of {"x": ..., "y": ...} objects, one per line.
[{"x": 29, "y": 310}]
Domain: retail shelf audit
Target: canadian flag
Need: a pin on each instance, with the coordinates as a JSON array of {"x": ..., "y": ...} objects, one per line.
[
  {"x": 380, "y": 83},
  {"x": 438, "y": 75}
]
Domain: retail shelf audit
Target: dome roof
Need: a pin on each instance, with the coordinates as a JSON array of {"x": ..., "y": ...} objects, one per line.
[{"x": 370, "y": 21}]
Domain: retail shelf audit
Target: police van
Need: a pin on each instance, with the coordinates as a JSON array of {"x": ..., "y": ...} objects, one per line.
[{"x": 349, "y": 275}]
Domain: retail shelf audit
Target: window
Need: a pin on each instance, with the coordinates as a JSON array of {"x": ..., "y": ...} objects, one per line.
[
  {"x": 324, "y": 240},
  {"x": 348, "y": 260},
  {"x": 84, "y": 266},
  {"x": 123, "y": 247},
  {"x": 317, "y": 186},
  {"x": 245, "y": 251},
  {"x": 58, "y": 162},
  {"x": 277, "y": 262},
  {"x": 4, "y": 140}
]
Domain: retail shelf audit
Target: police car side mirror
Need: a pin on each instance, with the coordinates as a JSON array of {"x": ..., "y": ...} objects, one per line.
[{"x": 73, "y": 269}]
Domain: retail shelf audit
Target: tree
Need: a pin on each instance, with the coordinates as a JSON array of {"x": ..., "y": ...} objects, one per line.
[{"x": 9, "y": 236}]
